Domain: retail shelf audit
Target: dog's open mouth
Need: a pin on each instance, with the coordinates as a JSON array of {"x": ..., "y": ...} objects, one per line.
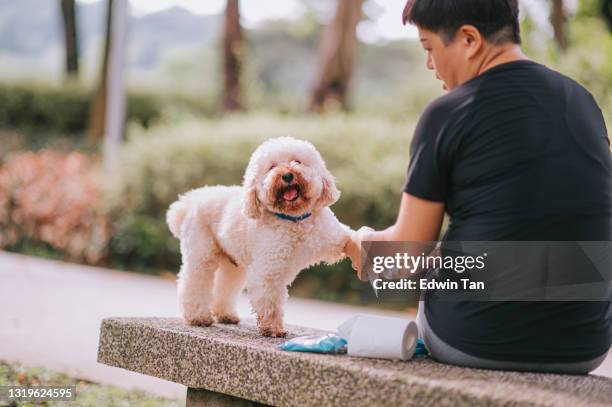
[{"x": 290, "y": 193}]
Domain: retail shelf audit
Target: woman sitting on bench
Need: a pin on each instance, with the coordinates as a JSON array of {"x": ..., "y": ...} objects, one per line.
[{"x": 513, "y": 152}]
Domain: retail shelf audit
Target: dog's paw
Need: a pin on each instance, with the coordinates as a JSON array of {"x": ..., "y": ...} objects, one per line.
[
  {"x": 265, "y": 331},
  {"x": 197, "y": 314},
  {"x": 204, "y": 320},
  {"x": 228, "y": 319},
  {"x": 272, "y": 332},
  {"x": 278, "y": 333}
]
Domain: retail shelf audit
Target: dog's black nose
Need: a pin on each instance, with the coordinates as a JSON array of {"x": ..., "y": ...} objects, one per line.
[{"x": 288, "y": 177}]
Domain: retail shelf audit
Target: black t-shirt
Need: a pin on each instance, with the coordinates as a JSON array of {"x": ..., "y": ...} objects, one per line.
[{"x": 519, "y": 153}]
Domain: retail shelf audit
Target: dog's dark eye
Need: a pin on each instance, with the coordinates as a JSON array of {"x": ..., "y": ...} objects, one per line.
[
  {"x": 273, "y": 166},
  {"x": 296, "y": 162}
]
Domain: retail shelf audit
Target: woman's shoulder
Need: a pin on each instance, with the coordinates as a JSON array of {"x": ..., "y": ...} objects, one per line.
[
  {"x": 445, "y": 107},
  {"x": 446, "y": 112}
]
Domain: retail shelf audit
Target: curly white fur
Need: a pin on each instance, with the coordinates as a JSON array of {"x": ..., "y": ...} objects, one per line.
[{"x": 231, "y": 237}]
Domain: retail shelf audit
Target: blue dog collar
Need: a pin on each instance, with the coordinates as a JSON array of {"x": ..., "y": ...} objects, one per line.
[{"x": 292, "y": 218}]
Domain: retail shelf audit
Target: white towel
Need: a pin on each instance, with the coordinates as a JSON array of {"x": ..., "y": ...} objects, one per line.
[{"x": 373, "y": 336}]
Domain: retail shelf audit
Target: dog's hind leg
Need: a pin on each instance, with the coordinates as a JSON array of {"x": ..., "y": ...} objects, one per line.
[
  {"x": 229, "y": 283},
  {"x": 195, "y": 280}
]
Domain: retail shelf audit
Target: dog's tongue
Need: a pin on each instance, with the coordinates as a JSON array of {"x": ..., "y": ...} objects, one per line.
[{"x": 290, "y": 194}]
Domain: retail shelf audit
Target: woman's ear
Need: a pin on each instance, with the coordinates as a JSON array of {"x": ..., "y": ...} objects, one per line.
[
  {"x": 329, "y": 192},
  {"x": 251, "y": 207},
  {"x": 472, "y": 39}
]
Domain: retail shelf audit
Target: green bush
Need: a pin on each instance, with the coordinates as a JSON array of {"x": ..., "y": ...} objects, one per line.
[
  {"x": 368, "y": 157},
  {"x": 62, "y": 109}
]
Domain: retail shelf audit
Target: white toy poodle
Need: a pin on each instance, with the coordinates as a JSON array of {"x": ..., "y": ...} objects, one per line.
[{"x": 259, "y": 235}]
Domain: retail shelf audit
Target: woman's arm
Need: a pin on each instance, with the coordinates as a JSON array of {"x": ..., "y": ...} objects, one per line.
[{"x": 418, "y": 221}]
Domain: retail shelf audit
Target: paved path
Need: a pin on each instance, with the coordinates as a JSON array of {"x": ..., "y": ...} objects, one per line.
[{"x": 51, "y": 313}]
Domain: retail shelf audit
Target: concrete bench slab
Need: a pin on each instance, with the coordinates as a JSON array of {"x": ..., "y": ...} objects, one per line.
[{"x": 222, "y": 364}]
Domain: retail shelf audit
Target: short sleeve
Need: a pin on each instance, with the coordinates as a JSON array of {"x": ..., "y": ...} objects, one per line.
[
  {"x": 602, "y": 122},
  {"x": 427, "y": 178}
]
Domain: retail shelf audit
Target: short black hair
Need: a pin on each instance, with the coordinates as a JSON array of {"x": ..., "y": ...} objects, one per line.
[{"x": 497, "y": 20}]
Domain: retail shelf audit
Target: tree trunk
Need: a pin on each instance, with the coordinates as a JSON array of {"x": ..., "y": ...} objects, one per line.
[
  {"x": 70, "y": 38},
  {"x": 336, "y": 57},
  {"x": 606, "y": 12},
  {"x": 114, "y": 119},
  {"x": 97, "y": 111},
  {"x": 558, "y": 19},
  {"x": 233, "y": 54}
]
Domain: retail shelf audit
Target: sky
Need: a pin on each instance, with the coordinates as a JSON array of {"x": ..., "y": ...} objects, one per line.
[{"x": 386, "y": 26}]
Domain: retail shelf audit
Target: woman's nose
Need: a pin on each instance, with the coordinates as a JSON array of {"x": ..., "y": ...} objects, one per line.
[
  {"x": 429, "y": 63},
  {"x": 287, "y": 177}
]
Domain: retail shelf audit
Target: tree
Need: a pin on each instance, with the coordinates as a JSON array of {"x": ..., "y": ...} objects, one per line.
[
  {"x": 336, "y": 57},
  {"x": 70, "y": 38},
  {"x": 233, "y": 44},
  {"x": 97, "y": 111},
  {"x": 558, "y": 18}
]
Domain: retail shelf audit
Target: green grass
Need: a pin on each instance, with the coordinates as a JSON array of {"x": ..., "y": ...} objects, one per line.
[{"x": 87, "y": 393}]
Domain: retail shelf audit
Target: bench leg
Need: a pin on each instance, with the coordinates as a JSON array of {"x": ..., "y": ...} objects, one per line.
[{"x": 206, "y": 398}]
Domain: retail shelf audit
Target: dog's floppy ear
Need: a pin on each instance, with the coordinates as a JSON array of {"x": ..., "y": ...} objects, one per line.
[
  {"x": 251, "y": 208},
  {"x": 329, "y": 192}
]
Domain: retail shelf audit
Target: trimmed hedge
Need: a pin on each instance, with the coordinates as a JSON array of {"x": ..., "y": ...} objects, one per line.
[
  {"x": 62, "y": 109},
  {"x": 368, "y": 156}
]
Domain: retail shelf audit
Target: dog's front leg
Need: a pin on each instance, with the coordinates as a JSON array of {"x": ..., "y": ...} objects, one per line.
[
  {"x": 333, "y": 248},
  {"x": 267, "y": 291}
]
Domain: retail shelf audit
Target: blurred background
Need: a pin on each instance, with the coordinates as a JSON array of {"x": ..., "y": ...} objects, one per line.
[
  {"x": 204, "y": 83},
  {"x": 109, "y": 109}
]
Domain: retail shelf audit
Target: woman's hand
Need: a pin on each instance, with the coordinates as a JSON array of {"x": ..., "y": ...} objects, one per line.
[
  {"x": 353, "y": 249},
  {"x": 418, "y": 220}
]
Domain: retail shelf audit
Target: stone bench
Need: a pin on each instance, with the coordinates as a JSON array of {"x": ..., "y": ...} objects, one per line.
[{"x": 233, "y": 365}]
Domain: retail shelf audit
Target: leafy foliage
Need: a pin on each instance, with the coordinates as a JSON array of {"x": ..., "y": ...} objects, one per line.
[
  {"x": 62, "y": 110},
  {"x": 48, "y": 202}
]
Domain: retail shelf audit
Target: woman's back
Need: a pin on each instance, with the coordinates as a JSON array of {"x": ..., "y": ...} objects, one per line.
[{"x": 519, "y": 153}]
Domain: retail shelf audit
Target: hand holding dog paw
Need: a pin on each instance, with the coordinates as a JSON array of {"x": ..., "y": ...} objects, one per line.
[
  {"x": 353, "y": 249},
  {"x": 364, "y": 232}
]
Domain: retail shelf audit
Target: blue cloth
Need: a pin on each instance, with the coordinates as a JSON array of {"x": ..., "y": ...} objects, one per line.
[
  {"x": 317, "y": 344},
  {"x": 421, "y": 349}
]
